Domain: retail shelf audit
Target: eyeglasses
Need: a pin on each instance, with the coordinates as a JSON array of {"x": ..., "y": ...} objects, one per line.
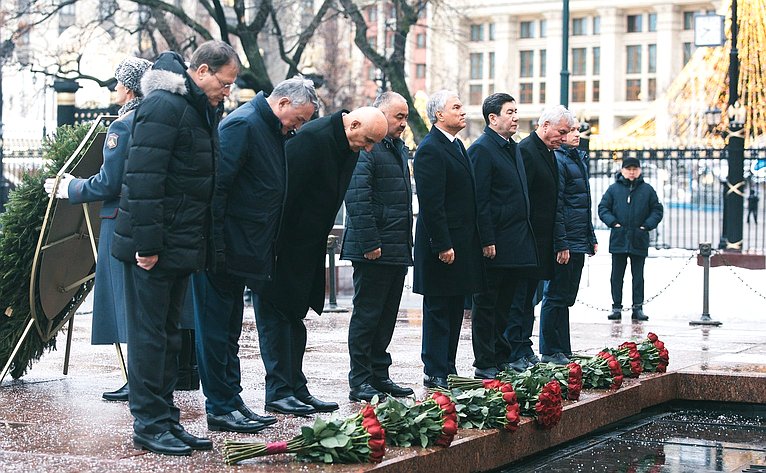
[{"x": 224, "y": 85}]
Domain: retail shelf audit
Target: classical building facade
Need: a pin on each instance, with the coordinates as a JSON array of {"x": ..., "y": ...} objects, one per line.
[{"x": 621, "y": 56}]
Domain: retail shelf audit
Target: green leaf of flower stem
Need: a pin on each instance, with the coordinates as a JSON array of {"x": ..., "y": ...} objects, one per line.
[{"x": 423, "y": 440}]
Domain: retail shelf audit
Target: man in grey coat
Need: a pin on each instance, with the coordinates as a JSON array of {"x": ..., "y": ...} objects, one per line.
[{"x": 378, "y": 241}]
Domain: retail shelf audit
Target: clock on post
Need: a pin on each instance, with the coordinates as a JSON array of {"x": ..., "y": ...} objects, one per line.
[{"x": 708, "y": 30}]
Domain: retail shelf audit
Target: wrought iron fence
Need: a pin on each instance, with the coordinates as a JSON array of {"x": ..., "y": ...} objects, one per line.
[{"x": 690, "y": 184}]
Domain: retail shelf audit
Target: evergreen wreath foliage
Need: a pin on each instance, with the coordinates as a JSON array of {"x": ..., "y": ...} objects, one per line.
[{"x": 21, "y": 225}]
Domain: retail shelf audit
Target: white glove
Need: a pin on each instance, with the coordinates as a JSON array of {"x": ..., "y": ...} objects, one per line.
[{"x": 62, "y": 191}]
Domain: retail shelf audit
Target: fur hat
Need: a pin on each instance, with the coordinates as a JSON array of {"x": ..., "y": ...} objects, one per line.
[{"x": 130, "y": 71}]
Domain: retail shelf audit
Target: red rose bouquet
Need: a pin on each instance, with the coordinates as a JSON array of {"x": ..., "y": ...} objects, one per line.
[
  {"x": 431, "y": 422},
  {"x": 629, "y": 358},
  {"x": 357, "y": 439},
  {"x": 654, "y": 355},
  {"x": 569, "y": 377},
  {"x": 602, "y": 371},
  {"x": 485, "y": 404},
  {"x": 539, "y": 396}
]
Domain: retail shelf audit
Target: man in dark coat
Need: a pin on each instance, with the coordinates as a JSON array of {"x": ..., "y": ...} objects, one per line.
[
  {"x": 542, "y": 182},
  {"x": 378, "y": 242},
  {"x": 506, "y": 235},
  {"x": 163, "y": 228},
  {"x": 448, "y": 256},
  {"x": 573, "y": 239},
  {"x": 629, "y": 207},
  {"x": 320, "y": 161},
  {"x": 247, "y": 207}
]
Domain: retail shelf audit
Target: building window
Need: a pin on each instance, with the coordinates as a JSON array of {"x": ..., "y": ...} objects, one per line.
[
  {"x": 474, "y": 94},
  {"x": 525, "y": 93},
  {"x": 542, "y": 92},
  {"x": 652, "y": 57},
  {"x": 477, "y": 65},
  {"x": 491, "y": 31},
  {"x": 372, "y": 73},
  {"x": 633, "y": 58},
  {"x": 688, "y": 51},
  {"x": 420, "y": 40},
  {"x": 490, "y": 89},
  {"x": 579, "y": 26},
  {"x": 634, "y": 24},
  {"x": 392, "y": 11},
  {"x": 596, "y": 92},
  {"x": 652, "y": 22},
  {"x": 491, "y": 72},
  {"x": 596, "y": 60},
  {"x": 543, "y": 62},
  {"x": 651, "y": 89},
  {"x": 578, "y": 61},
  {"x": 632, "y": 89},
  {"x": 477, "y": 32},
  {"x": 527, "y": 29},
  {"x": 543, "y": 28},
  {"x": 688, "y": 20},
  {"x": 420, "y": 71},
  {"x": 578, "y": 91},
  {"x": 527, "y": 63},
  {"x": 372, "y": 13},
  {"x": 67, "y": 17},
  {"x": 596, "y": 25},
  {"x": 372, "y": 41}
]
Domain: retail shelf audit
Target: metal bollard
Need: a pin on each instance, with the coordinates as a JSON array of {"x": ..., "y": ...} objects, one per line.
[
  {"x": 706, "y": 251},
  {"x": 332, "y": 246}
]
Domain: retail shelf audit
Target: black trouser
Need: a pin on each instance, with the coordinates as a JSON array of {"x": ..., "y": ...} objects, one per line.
[
  {"x": 154, "y": 300},
  {"x": 377, "y": 293},
  {"x": 442, "y": 320},
  {"x": 619, "y": 263},
  {"x": 490, "y": 318},
  {"x": 282, "y": 340},
  {"x": 218, "y": 312},
  {"x": 518, "y": 332},
  {"x": 559, "y": 295}
]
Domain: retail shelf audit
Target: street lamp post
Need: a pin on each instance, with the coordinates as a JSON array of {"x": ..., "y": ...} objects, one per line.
[
  {"x": 735, "y": 148},
  {"x": 565, "y": 55}
]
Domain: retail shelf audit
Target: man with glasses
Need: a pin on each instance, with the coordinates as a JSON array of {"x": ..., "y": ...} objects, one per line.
[
  {"x": 542, "y": 183},
  {"x": 163, "y": 229},
  {"x": 248, "y": 206}
]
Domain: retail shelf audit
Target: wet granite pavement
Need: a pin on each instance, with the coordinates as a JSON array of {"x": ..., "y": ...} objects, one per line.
[{"x": 52, "y": 421}]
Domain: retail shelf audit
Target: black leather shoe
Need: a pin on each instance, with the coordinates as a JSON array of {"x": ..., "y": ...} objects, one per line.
[
  {"x": 318, "y": 404},
  {"x": 532, "y": 359},
  {"x": 290, "y": 405},
  {"x": 389, "y": 387},
  {"x": 616, "y": 314},
  {"x": 365, "y": 392},
  {"x": 247, "y": 412},
  {"x": 519, "y": 366},
  {"x": 119, "y": 395},
  {"x": 164, "y": 443},
  {"x": 234, "y": 421},
  {"x": 196, "y": 443},
  {"x": 485, "y": 373},
  {"x": 435, "y": 382},
  {"x": 556, "y": 358}
]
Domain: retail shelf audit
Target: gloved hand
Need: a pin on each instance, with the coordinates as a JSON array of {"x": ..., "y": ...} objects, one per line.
[{"x": 62, "y": 191}]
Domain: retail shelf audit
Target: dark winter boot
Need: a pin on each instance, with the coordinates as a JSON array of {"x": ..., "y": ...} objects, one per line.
[
  {"x": 616, "y": 314},
  {"x": 638, "y": 313}
]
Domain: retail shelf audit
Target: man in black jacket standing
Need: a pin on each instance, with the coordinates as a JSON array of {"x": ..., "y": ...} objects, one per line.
[
  {"x": 247, "y": 208},
  {"x": 448, "y": 261},
  {"x": 378, "y": 241},
  {"x": 163, "y": 228},
  {"x": 573, "y": 239},
  {"x": 320, "y": 161},
  {"x": 542, "y": 182},
  {"x": 506, "y": 234},
  {"x": 629, "y": 207}
]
